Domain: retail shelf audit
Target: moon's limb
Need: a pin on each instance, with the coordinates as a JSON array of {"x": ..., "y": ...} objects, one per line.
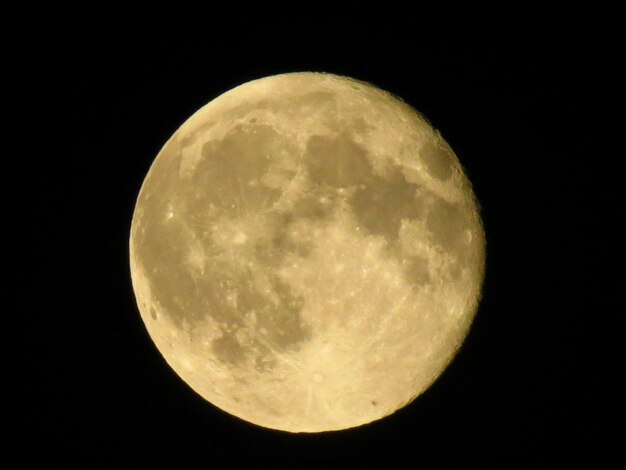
[{"x": 307, "y": 253}]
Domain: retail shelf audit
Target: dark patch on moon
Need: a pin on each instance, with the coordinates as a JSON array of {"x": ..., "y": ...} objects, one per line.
[
  {"x": 285, "y": 245},
  {"x": 280, "y": 320},
  {"x": 309, "y": 206},
  {"x": 417, "y": 270},
  {"x": 167, "y": 246},
  {"x": 228, "y": 349},
  {"x": 283, "y": 322},
  {"x": 438, "y": 159},
  {"x": 336, "y": 161},
  {"x": 360, "y": 127},
  {"x": 382, "y": 203},
  {"x": 314, "y": 99},
  {"x": 272, "y": 250},
  {"x": 229, "y": 166},
  {"x": 448, "y": 223}
]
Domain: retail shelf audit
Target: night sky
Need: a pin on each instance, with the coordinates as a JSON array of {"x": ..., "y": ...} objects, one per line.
[{"x": 520, "y": 391}]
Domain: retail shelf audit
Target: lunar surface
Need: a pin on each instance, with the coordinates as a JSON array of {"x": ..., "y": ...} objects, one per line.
[{"x": 307, "y": 253}]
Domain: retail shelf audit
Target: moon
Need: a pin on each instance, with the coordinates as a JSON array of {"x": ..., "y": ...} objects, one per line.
[{"x": 307, "y": 253}]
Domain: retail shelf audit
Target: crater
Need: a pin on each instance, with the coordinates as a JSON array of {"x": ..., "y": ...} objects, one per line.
[{"x": 438, "y": 160}]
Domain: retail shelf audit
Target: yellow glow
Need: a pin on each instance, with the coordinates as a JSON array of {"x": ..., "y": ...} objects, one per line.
[{"x": 307, "y": 253}]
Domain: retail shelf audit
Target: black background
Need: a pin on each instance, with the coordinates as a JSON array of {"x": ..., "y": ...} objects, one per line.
[{"x": 514, "y": 109}]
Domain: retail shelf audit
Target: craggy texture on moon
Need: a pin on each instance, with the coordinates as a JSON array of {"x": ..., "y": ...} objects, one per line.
[{"x": 307, "y": 253}]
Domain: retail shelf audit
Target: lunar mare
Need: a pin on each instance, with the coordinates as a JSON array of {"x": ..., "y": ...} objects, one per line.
[{"x": 307, "y": 253}]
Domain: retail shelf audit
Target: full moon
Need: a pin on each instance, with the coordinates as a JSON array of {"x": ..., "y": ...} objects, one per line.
[{"x": 307, "y": 253}]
